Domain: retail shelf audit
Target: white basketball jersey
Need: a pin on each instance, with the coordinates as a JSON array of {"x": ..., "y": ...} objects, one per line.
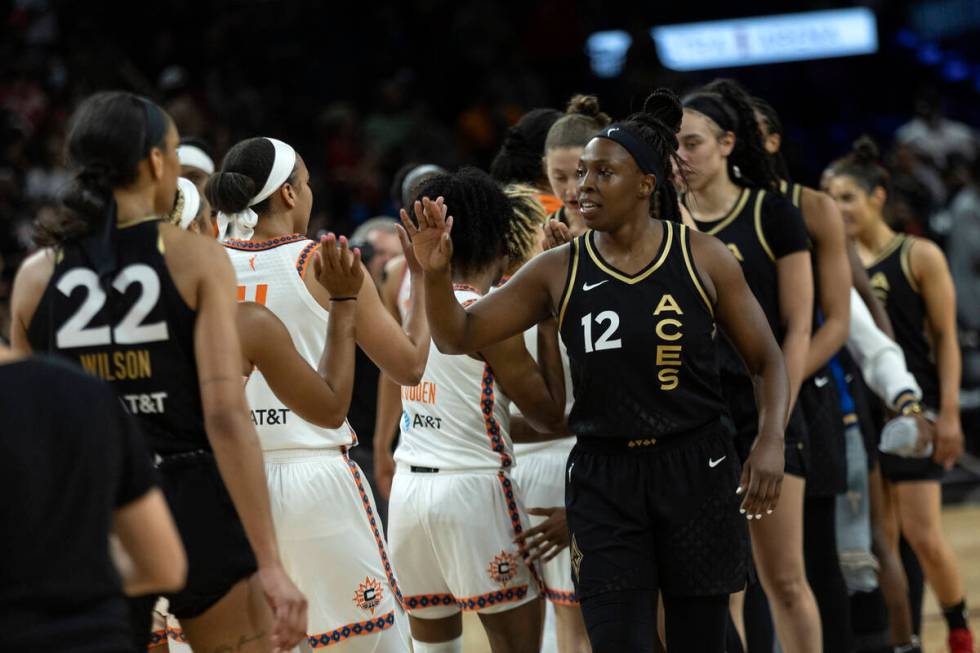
[
  {"x": 271, "y": 273},
  {"x": 456, "y": 417}
]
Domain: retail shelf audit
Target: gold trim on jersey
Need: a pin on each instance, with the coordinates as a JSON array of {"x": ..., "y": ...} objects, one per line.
[
  {"x": 890, "y": 248},
  {"x": 668, "y": 238},
  {"x": 907, "y": 263},
  {"x": 571, "y": 281},
  {"x": 133, "y": 223},
  {"x": 757, "y": 218},
  {"x": 160, "y": 246},
  {"x": 727, "y": 220},
  {"x": 689, "y": 262},
  {"x": 792, "y": 193}
]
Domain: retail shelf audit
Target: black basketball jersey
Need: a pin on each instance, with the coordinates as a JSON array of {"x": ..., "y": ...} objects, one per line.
[
  {"x": 791, "y": 191},
  {"x": 761, "y": 228},
  {"x": 891, "y": 279},
  {"x": 641, "y": 347},
  {"x": 133, "y": 330}
]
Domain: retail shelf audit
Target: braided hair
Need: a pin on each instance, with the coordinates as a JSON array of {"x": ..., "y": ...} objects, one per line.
[
  {"x": 519, "y": 159},
  {"x": 481, "y": 217},
  {"x": 657, "y": 123},
  {"x": 863, "y": 166},
  {"x": 748, "y": 164},
  {"x": 527, "y": 219},
  {"x": 582, "y": 120}
]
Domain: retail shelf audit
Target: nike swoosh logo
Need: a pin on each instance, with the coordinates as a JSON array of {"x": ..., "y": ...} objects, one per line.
[
  {"x": 714, "y": 463},
  {"x": 586, "y": 287},
  {"x": 821, "y": 381}
]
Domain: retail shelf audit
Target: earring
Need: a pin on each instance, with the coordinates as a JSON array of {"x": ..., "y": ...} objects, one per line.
[{"x": 736, "y": 172}]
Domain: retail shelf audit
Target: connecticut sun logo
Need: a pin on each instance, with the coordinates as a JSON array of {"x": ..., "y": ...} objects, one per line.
[
  {"x": 503, "y": 568},
  {"x": 368, "y": 595}
]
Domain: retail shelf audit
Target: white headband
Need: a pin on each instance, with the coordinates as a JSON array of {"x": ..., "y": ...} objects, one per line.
[
  {"x": 190, "y": 202},
  {"x": 241, "y": 225},
  {"x": 194, "y": 157}
]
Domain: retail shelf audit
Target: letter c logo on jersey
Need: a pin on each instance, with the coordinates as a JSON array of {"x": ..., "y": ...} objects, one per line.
[
  {"x": 368, "y": 595},
  {"x": 503, "y": 568}
]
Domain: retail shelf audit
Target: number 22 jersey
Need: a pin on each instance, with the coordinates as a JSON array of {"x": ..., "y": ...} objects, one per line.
[
  {"x": 641, "y": 347},
  {"x": 132, "y": 329}
]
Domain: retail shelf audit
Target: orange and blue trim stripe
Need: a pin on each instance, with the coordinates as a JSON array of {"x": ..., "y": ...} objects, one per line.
[
  {"x": 253, "y": 246},
  {"x": 487, "y": 402},
  {"x": 561, "y": 598},
  {"x": 304, "y": 258},
  {"x": 373, "y": 522},
  {"x": 469, "y": 604},
  {"x": 507, "y": 485},
  {"x": 376, "y": 625},
  {"x": 160, "y": 637}
]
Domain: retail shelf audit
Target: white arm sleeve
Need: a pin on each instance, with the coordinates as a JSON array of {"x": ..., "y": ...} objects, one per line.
[{"x": 880, "y": 358}]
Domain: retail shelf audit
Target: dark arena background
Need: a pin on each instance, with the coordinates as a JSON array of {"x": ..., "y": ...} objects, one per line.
[{"x": 361, "y": 88}]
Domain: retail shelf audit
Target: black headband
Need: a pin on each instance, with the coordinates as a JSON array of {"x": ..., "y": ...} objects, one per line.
[
  {"x": 645, "y": 156},
  {"x": 715, "y": 107},
  {"x": 155, "y": 126}
]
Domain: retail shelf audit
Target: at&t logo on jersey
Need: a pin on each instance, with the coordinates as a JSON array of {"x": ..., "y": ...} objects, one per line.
[
  {"x": 269, "y": 416},
  {"x": 503, "y": 568},
  {"x": 368, "y": 595}
]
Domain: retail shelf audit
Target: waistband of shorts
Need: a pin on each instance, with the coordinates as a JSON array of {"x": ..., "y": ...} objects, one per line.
[
  {"x": 417, "y": 470},
  {"x": 716, "y": 428},
  {"x": 279, "y": 456}
]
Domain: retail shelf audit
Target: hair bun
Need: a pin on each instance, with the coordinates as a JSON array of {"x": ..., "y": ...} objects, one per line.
[
  {"x": 664, "y": 106},
  {"x": 865, "y": 150},
  {"x": 586, "y": 105},
  {"x": 230, "y": 192}
]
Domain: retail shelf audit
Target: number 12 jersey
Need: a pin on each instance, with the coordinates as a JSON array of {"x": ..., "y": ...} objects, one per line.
[{"x": 641, "y": 347}]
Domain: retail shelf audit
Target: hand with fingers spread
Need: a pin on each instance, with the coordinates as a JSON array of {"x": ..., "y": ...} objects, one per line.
[
  {"x": 288, "y": 607},
  {"x": 337, "y": 268},
  {"x": 411, "y": 261},
  {"x": 430, "y": 238},
  {"x": 556, "y": 233},
  {"x": 547, "y": 539},
  {"x": 948, "y": 439},
  {"x": 762, "y": 477}
]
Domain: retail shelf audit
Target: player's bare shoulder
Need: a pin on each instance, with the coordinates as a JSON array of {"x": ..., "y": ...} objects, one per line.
[{"x": 192, "y": 259}]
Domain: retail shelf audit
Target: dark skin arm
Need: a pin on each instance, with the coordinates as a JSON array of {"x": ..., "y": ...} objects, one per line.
[
  {"x": 826, "y": 229},
  {"x": 861, "y": 283},
  {"x": 740, "y": 316},
  {"x": 321, "y": 396}
]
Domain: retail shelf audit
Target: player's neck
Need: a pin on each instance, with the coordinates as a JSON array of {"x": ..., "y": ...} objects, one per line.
[
  {"x": 273, "y": 225},
  {"x": 133, "y": 204},
  {"x": 876, "y": 237},
  {"x": 714, "y": 200},
  {"x": 479, "y": 281}
]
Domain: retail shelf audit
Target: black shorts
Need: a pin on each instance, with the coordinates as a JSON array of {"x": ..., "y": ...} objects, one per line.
[
  {"x": 218, "y": 553},
  {"x": 660, "y": 515},
  {"x": 820, "y": 403},
  {"x": 740, "y": 398},
  {"x": 908, "y": 470}
]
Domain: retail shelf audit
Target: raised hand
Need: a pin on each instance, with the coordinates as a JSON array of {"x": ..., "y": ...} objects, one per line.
[
  {"x": 555, "y": 234},
  {"x": 338, "y": 269},
  {"x": 430, "y": 239}
]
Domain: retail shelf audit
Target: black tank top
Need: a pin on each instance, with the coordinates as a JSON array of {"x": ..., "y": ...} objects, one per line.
[
  {"x": 133, "y": 330},
  {"x": 891, "y": 279},
  {"x": 641, "y": 347},
  {"x": 761, "y": 228}
]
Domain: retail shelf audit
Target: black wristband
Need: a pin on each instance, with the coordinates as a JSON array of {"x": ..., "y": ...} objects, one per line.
[{"x": 343, "y": 299}]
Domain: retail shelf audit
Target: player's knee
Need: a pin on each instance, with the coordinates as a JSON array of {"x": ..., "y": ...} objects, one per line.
[
  {"x": 787, "y": 589},
  {"x": 928, "y": 544}
]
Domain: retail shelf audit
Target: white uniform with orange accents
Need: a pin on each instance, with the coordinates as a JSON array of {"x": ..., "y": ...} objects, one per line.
[
  {"x": 454, "y": 509},
  {"x": 330, "y": 538},
  {"x": 541, "y": 476}
]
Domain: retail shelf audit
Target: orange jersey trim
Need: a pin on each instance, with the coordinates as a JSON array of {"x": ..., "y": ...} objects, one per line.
[
  {"x": 468, "y": 604},
  {"x": 253, "y": 246},
  {"x": 304, "y": 258},
  {"x": 344, "y": 633}
]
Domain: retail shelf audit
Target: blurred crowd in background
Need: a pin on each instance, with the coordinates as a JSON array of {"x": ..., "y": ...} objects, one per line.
[{"x": 362, "y": 90}]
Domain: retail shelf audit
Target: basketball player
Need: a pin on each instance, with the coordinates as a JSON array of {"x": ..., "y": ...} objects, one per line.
[
  {"x": 912, "y": 279},
  {"x": 540, "y": 469},
  {"x": 264, "y": 200},
  {"x": 149, "y": 307},
  {"x": 730, "y": 194},
  {"x": 562, "y": 148},
  {"x": 455, "y": 509},
  {"x": 651, "y": 484},
  {"x": 519, "y": 159}
]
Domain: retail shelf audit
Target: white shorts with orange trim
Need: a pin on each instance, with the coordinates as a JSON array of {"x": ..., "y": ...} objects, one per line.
[
  {"x": 333, "y": 548},
  {"x": 452, "y": 542},
  {"x": 541, "y": 477}
]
